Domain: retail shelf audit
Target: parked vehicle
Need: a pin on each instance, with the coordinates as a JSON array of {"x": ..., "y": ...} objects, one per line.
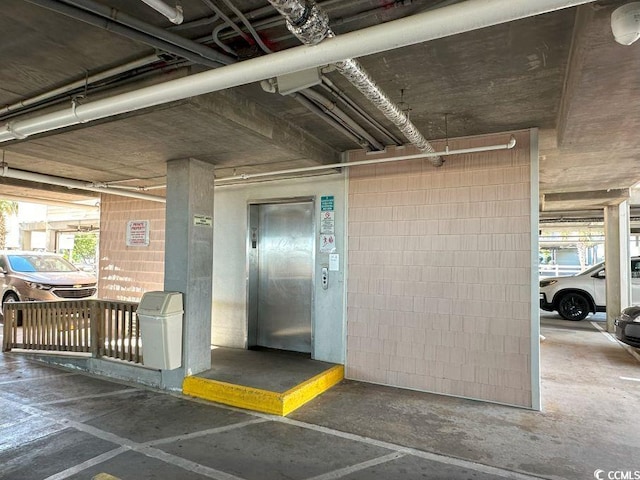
[
  {"x": 575, "y": 297},
  {"x": 29, "y": 276},
  {"x": 628, "y": 326}
]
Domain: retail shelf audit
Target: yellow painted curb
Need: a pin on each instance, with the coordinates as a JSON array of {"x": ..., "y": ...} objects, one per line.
[
  {"x": 263, "y": 400},
  {"x": 297, "y": 396},
  {"x": 104, "y": 476}
]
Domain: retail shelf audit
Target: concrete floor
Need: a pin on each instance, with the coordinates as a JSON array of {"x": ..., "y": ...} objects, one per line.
[
  {"x": 56, "y": 424},
  {"x": 254, "y": 368}
]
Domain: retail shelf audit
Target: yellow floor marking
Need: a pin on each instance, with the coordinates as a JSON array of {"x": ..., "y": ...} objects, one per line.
[{"x": 263, "y": 400}]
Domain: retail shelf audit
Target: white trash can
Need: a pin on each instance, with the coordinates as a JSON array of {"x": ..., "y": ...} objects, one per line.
[{"x": 160, "y": 315}]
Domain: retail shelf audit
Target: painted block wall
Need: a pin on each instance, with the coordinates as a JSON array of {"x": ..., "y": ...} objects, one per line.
[
  {"x": 229, "y": 327},
  {"x": 125, "y": 273},
  {"x": 440, "y": 279}
]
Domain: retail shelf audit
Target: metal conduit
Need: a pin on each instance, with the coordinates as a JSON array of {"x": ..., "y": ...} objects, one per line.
[
  {"x": 440, "y": 23},
  {"x": 374, "y": 161},
  {"x": 311, "y": 25},
  {"x": 312, "y": 107},
  {"x": 112, "y": 72},
  {"x": 107, "y": 18},
  {"x": 343, "y": 117},
  {"x": 7, "y": 172}
]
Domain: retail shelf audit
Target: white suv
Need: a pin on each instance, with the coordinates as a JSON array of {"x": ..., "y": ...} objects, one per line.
[{"x": 576, "y": 297}]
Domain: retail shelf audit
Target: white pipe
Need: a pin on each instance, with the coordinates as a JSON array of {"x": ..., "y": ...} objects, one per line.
[
  {"x": 173, "y": 14},
  {"x": 112, "y": 72},
  {"x": 46, "y": 201},
  {"x": 422, "y": 27},
  {"x": 444, "y": 153},
  {"x": 5, "y": 171}
]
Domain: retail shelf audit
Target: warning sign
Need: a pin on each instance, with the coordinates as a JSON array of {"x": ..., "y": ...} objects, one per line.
[
  {"x": 137, "y": 233},
  {"x": 328, "y": 222}
]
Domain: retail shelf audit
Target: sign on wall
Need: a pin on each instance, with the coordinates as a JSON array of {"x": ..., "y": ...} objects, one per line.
[{"x": 138, "y": 233}]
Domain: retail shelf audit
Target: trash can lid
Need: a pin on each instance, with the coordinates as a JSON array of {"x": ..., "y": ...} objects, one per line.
[{"x": 160, "y": 303}]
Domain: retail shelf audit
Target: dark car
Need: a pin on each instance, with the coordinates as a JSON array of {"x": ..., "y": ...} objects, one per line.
[
  {"x": 28, "y": 276},
  {"x": 628, "y": 326}
]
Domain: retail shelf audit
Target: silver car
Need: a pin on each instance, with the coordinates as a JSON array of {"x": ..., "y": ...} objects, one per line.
[{"x": 29, "y": 276}]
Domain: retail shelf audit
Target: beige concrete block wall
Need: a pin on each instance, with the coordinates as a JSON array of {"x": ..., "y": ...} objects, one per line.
[
  {"x": 439, "y": 280},
  {"x": 125, "y": 273}
]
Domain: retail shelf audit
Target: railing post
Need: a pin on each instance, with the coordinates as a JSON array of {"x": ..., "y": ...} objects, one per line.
[
  {"x": 7, "y": 333},
  {"x": 96, "y": 328}
]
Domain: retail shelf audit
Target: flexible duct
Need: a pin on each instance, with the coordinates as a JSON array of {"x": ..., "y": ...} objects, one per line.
[
  {"x": 311, "y": 25},
  {"x": 443, "y": 22}
]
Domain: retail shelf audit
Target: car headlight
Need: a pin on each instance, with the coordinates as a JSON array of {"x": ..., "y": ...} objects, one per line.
[
  {"x": 546, "y": 283},
  {"x": 39, "y": 286}
]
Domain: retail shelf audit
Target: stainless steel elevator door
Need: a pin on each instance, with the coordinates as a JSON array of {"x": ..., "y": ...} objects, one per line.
[{"x": 285, "y": 276}]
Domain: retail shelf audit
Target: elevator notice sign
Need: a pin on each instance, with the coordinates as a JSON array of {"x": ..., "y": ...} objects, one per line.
[{"x": 327, "y": 203}]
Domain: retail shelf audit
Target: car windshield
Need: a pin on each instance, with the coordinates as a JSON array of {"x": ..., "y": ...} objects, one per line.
[{"x": 39, "y": 263}]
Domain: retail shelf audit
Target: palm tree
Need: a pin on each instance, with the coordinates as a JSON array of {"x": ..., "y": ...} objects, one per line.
[{"x": 6, "y": 208}]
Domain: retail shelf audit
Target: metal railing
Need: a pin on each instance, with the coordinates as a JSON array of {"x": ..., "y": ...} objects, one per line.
[
  {"x": 558, "y": 270},
  {"x": 103, "y": 328}
]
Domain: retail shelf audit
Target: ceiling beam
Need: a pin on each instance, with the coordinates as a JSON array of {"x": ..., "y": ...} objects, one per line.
[{"x": 251, "y": 116}]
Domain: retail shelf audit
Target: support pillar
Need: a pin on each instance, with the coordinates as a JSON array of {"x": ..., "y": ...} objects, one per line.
[
  {"x": 617, "y": 261},
  {"x": 189, "y": 260}
]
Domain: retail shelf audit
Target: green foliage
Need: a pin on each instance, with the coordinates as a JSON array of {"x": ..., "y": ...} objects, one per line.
[
  {"x": 84, "y": 247},
  {"x": 6, "y": 208}
]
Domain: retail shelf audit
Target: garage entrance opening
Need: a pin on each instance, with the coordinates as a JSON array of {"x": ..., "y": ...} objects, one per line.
[{"x": 281, "y": 258}]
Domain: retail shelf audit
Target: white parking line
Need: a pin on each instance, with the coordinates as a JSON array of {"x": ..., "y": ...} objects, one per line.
[
  {"x": 92, "y": 462},
  {"x": 435, "y": 457},
  {"x": 630, "y": 379},
  {"x": 43, "y": 377},
  {"x": 632, "y": 351},
  {"x": 86, "y": 397},
  {"x": 335, "y": 474}
]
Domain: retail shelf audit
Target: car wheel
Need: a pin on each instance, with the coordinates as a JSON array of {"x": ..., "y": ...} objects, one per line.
[
  {"x": 573, "y": 306},
  {"x": 11, "y": 298}
]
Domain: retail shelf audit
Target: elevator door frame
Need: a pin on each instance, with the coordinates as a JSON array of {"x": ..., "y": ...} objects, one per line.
[{"x": 252, "y": 261}]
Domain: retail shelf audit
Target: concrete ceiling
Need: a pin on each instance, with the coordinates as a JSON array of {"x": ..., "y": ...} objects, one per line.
[{"x": 561, "y": 72}]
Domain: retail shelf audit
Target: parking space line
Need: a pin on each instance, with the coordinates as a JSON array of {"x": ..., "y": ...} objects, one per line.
[
  {"x": 203, "y": 433},
  {"x": 628, "y": 348},
  {"x": 335, "y": 474},
  {"x": 630, "y": 379},
  {"x": 88, "y": 464},
  {"x": 86, "y": 397},
  {"x": 435, "y": 457},
  {"x": 44, "y": 377}
]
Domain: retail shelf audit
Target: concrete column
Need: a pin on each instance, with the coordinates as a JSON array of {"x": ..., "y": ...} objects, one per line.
[
  {"x": 189, "y": 260},
  {"x": 617, "y": 260}
]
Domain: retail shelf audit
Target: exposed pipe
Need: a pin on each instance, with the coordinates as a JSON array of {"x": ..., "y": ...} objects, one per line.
[
  {"x": 109, "y": 19},
  {"x": 328, "y": 85},
  {"x": 112, "y": 72},
  {"x": 175, "y": 15},
  {"x": 343, "y": 117},
  {"x": 7, "y": 172},
  {"x": 422, "y": 27},
  {"x": 489, "y": 148},
  {"x": 247, "y": 24},
  {"x": 338, "y": 126},
  {"x": 55, "y": 203},
  {"x": 311, "y": 26}
]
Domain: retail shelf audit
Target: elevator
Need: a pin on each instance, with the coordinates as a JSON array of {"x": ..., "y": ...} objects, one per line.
[{"x": 281, "y": 247}]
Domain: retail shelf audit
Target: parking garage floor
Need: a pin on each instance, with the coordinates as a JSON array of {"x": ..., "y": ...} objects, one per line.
[{"x": 56, "y": 424}]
